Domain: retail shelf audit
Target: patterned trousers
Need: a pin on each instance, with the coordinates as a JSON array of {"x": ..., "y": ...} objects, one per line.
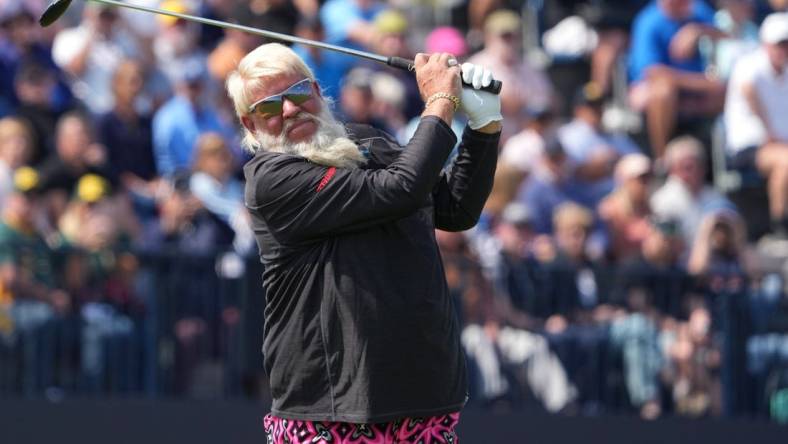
[{"x": 427, "y": 430}]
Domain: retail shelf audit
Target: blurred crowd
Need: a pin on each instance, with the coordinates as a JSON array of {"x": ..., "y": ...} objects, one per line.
[{"x": 632, "y": 256}]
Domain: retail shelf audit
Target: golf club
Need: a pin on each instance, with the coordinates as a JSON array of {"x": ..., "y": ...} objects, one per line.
[{"x": 58, "y": 7}]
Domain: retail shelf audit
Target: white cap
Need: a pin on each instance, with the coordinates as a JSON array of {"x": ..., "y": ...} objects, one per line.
[{"x": 774, "y": 28}]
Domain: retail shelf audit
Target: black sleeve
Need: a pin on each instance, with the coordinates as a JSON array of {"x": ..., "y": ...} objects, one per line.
[
  {"x": 460, "y": 195},
  {"x": 301, "y": 201}
]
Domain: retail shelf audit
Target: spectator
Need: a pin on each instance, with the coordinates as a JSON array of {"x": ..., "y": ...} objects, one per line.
[
  {"x": 685, "y": 196},
  {"x": 446, "y": 39},
  {"x": 183, "y": 225},
  {"x": 524, "y": 86},
  {"x": 573, "y": 290},
  {"x": 16, "y": 149},
  {"x": 719, "y": 258},
  {"x": 389, "y": 100},
  {"x": 349, "y": 23},
  {"x": 594, "y": 151},
  {"x": 178, "y": 123},
  {"x": 76, "y": 153},
  {"x": 756, "y": 130},
  {"x": 107, "y": 334},
  {"x": 572, "y": 224},
  {"x": 327, "y": 65},
  {"x": 667, "y": 69},
  {"x": 523, "y": 150},
  {"x": 549, "y": 187},
  {"x": 213, "y": 184},
  {"x": 91, "y": 51},
  {"x": 282, "y": 15},
  {"x": 509, "y": 260},
  {"x": 96, "y": 220},
  {"x": 23, "y": 45},
  {"x": 735, "y": 18},
  {"x": 27, "y": 281},
  {"x": 694, "y": 359},
  {"x": 177, "y": 41},
  {"x": 626, "y": 210},
  {"x": 126, "y": 132},
  {"x": 612, "y": 21},
  {"x": 636, "y": 336},
  {"x": 392, "y": 28},
  {"x": 657, "y": 267},
  {"x": 34, "y": 90},
  {"x": 99, "y": 225},
  {"x": 355, "y": 99}
]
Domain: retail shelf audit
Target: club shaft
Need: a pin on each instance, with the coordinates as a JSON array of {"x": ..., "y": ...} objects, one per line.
[{"x": 250, "y": 30}]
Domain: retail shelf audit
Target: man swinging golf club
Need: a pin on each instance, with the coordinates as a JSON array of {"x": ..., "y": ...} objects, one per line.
[{"x": 361, "y": 343}]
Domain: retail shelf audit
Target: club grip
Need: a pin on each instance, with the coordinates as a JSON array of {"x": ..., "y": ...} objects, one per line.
[{"x": 398, "y": 62}]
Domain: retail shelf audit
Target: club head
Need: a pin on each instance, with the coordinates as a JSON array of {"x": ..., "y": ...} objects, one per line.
[{"x": 53, "y": 12}]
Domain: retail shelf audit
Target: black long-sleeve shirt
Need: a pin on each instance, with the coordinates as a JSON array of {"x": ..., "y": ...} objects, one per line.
[{"x": 359, "y": 325}]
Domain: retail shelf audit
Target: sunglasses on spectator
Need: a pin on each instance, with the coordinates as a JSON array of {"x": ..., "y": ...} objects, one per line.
[{"x": 297, "y": 93}]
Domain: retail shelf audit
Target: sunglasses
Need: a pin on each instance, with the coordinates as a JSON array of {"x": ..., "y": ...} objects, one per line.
[{"x": 297, "y": 93}]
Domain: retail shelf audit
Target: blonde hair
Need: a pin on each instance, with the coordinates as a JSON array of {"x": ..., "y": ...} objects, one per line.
[
  {"x": 14, "y": 126},
  {"x": 207, "y": 144},
  {"x": 265, "y": 62},
  {"x": 571, "y": 214}
]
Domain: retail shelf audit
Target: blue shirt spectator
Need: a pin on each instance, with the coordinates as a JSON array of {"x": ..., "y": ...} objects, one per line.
[
  {"x": 592, "y": 150},
  {"x": 550, "y": 186},
  {"x": 348, "y": 23},
  {"x": 339, "y": 17},
  {"x": 542, "y": 196},
  {"x": 653, "y": 31},
  {"x": 179, "y": 123},
  {"x": 20, "y": 47}
]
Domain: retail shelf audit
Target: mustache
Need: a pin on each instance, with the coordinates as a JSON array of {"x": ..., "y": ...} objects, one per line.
[{"x": 297, "y": 119}]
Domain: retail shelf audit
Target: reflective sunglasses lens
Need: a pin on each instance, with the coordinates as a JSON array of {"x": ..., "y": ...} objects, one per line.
[
  {"x": 298, "y": 98},
  {"x": 269, "y": 107}
]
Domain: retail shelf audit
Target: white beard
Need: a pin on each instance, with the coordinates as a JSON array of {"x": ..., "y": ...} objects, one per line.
[{"x": 329, "y": 146}]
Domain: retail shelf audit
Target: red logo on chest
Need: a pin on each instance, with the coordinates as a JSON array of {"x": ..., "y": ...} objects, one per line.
[{"x": 326, "y": 177}]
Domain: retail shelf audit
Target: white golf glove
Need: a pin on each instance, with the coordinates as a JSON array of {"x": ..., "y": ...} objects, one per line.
[{"x": 481, "y": 107}]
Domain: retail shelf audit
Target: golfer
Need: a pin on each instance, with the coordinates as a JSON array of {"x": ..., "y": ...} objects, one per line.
[{"x": 361, "y": 342}]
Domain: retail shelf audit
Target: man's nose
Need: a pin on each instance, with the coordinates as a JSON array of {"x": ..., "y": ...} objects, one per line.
[{"x": 289, "y": 109}]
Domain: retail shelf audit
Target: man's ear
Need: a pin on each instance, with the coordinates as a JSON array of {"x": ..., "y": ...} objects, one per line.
[{"x": 248, "y": 124}]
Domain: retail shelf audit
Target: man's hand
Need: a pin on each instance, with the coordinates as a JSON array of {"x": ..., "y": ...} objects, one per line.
[
  {"x": 684, "y": 44},
  {"x": 482, "y": 108},
  {"x": 435, "y": 74}
]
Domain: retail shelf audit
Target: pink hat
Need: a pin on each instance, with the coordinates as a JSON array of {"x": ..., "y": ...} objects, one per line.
[{"x": 446, "y": 39}]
